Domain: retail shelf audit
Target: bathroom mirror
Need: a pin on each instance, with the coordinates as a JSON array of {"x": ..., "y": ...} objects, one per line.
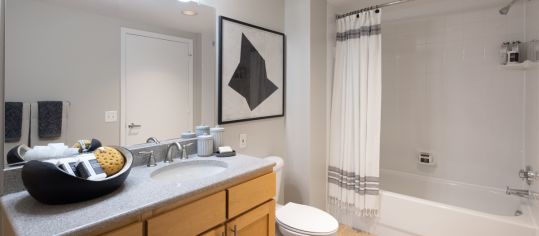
[{"x": 119, "y": 71}]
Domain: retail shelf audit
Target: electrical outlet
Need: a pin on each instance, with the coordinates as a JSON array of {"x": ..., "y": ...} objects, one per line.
[
  {"x": 243, "y": 140},
  {"x": 111, "y": 116}
]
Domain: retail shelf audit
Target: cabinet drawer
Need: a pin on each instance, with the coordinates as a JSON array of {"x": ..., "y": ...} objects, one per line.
[
  {"x": 130, "y": 230},
  {"x": 191, "y": 219},
  {"x": 250, "y": 194}
]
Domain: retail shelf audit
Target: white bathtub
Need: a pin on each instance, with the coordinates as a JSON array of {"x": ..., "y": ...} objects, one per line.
[{"x": 418, "y": 205}]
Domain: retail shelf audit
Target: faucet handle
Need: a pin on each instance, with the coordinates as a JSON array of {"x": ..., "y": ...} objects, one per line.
[
  {"x": 184, "y": 150},
  {"x": 151, "y": 159}
]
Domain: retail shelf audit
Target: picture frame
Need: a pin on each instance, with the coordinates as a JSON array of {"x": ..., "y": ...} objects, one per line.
[{"x": 251, "y": 72}]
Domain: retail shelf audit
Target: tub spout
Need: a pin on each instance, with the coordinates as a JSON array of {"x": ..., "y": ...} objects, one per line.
[{"x": 522, "y": 193}]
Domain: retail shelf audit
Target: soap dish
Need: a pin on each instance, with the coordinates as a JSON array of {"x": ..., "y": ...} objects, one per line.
[
  {"x": 50, "y": 185},
  {"x": 225, "y": 154}
]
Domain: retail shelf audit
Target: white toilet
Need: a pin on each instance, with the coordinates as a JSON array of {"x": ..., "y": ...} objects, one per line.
[{"x": 295, "y": 219}]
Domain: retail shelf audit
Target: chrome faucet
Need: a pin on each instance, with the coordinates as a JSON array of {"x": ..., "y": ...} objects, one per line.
[
  {"x": 522, "y": 193},
  {"x": 151, "y": 158},
  {"x": 152, "y": 140},
  {"x": 179, "y": 147}
]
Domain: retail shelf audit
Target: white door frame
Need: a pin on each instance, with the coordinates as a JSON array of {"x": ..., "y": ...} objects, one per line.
[{"x": 128, "y": 31}]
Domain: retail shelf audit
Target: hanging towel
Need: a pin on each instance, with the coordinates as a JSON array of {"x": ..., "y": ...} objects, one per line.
[
  {"x": 25, "y": 130},
  {"x": 50, "y": 119},
  {"x": 353, "y": 167},
  {"x": 13, "y": 121}
]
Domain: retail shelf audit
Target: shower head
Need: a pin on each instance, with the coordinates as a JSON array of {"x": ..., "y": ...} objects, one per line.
[{"x": 505, "y": 9}]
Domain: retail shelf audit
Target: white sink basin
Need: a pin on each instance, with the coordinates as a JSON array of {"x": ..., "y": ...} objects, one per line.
[{"x": 189, "y": 170}]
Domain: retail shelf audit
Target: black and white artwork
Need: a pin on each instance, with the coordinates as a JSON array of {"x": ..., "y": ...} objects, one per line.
[{"x": 251, "y": 72}]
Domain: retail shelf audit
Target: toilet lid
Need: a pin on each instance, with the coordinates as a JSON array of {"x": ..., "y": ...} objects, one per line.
[{"x": 306, "y": 219}]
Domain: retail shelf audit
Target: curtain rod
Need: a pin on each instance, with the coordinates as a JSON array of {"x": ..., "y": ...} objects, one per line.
[{"x": 373, "y": 7}]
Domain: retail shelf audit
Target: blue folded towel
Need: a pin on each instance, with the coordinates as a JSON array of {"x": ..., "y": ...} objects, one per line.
[
  {"x": 13, "y": 121},
  {"x": 49, "y": 119}
]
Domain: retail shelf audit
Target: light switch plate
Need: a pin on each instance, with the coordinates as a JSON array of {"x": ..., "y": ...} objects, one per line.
[
  {"x": 111, "y": 116},
  {"x": 243, "y": 140}
]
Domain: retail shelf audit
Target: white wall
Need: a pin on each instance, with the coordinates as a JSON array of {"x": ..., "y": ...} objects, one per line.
[
  {"x": 306, "y": 125},
  {"x": 443, "y": 92},
  {"x": 298, "y": 133},
  {"x": 76, "y": 58},
  {"x": 318, "y": 103},
  {"x": 532, "y": 101}
]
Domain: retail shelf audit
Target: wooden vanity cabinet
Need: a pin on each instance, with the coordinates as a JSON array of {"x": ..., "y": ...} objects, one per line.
[
  {"x": 246, "y": 209},
  {"x": 191, "y": 219},
  {"x": 134, "y": 229},
  {"x": 217, "y": 231},
  {"x": 258, "y": 221}
]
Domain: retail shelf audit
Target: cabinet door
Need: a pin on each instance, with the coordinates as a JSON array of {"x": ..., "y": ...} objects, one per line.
[
  {"x": 259, "y": 221},
  {"x": 217, "y": 231}
]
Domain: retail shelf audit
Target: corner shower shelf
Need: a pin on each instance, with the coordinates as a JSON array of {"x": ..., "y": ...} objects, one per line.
[{"x": 527, "y": 65}]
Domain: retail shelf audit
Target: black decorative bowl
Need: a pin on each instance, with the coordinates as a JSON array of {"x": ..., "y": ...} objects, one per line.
[{"x": 50, "y": 185}]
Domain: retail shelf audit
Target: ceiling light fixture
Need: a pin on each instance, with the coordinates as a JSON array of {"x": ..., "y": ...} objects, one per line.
[
  {"x": 196, "y": 1},
  {"x": 189, "y": 13}
]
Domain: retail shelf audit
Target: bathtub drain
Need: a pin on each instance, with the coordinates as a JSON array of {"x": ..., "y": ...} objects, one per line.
[{"x": 518, "y": 212}]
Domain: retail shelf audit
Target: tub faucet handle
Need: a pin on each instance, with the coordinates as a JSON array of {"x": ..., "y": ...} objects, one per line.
[{"x": 528, "y": 174}]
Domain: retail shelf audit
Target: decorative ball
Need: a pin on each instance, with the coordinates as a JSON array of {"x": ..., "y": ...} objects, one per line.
[{"x": 110, "y": 159}]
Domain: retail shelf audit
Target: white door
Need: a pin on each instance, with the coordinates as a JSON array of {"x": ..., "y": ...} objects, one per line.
[{"x": 156, "y": 86}]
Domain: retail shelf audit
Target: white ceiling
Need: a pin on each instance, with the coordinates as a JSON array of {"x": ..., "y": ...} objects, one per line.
[
  {"x": 164, "y": 13},
  {"x": 418, "y": 7}
]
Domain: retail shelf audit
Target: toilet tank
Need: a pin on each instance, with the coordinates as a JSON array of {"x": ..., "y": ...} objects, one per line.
[{"x": 278, "y": 169}]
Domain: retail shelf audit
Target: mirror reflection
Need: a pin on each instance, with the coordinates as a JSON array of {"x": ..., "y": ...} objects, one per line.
[{"x": 110, "y": 72}]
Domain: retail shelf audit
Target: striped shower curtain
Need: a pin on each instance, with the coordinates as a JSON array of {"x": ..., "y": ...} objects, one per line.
[{"x": 353, "y": 170}]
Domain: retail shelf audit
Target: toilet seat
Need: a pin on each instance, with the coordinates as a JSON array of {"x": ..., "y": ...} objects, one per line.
[
  {"x": 302, "y": 233},
  {"x": 306, "y": 220}
]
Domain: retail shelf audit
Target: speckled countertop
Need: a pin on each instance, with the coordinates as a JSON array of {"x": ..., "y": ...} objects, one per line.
[{"x": 139, "y": 196}]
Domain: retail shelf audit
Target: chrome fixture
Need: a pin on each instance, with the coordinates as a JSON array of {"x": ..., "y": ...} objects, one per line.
[
  {"x": 374, "y": 7},
  {"x": 133, "y": 125},
  {"x": 505, "y": 10},
  {"x": 528, "y": 174},
  {"x": 151, "y": 158},
  {"x": 522, "y": 193},
  {"x": 152, "y": 140},
  {"x": 168, "y": 158},
  {"x": 184, "y": 151}
]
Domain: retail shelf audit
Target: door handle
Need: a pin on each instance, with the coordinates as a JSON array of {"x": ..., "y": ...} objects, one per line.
[
  {"x": 235, "y": 230},
  {"x": 133, "y": 125}
]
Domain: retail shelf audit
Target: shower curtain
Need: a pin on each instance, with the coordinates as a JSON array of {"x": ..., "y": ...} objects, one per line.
[{"x": 353, "y": 170}]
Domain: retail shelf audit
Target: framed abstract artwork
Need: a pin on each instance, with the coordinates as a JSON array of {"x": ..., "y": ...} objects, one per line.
[{"x": 251, "y": 72}]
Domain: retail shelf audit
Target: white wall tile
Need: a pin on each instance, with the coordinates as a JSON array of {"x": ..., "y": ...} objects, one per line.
[
  {"x": 444, "y": 92},
  {"x": 532, "y": 101}
]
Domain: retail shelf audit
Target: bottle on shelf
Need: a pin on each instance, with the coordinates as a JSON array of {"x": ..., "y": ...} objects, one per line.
[
  {"x": 514, "y": 52},
  {"x": 504, "y": 50}
]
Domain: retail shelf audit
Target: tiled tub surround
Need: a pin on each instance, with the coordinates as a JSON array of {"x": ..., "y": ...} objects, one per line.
[
  {"x": 444, "y": 92},
  {"x": 138, "y": 198}
]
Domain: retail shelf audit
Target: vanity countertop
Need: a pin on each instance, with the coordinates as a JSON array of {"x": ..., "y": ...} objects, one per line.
[{"x": 139, "y": 197}]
